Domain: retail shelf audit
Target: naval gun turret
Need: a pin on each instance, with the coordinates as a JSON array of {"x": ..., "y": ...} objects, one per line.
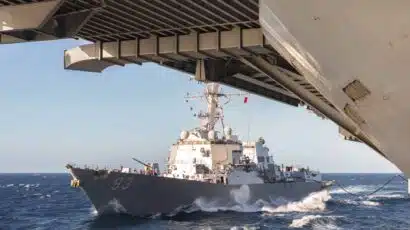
[{"x": 148, "y": 168}]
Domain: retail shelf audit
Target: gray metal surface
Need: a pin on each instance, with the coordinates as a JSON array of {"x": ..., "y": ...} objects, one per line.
[
  {"x": 107, "y": 22},
  {"x": 110, "y": 20},
  {"x": 142, "y": 195}
]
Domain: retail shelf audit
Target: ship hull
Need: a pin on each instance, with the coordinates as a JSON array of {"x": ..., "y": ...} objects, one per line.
[{"x": 142, "y": 195}]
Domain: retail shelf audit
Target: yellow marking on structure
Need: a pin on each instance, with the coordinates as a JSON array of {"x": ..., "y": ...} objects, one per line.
[{"x": 75, "y": 183}]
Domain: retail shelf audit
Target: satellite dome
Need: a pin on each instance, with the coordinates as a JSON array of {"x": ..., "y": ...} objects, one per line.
[
  {"x": 184, "y": 135},
  {"x": 261, "y": 140},
  {"x": 228, "y": 131}
]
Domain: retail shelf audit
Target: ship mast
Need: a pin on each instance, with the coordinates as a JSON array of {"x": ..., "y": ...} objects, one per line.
[{"x": 214, "y": 113}]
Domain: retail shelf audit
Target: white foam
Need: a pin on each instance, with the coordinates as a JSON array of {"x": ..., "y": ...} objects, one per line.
[
  {"x": 279, "y": 214},
  {"x": 155, "y": 216},
  {"x": 353, "y": 189},
  {"x": 28, "y": 186},
  {"x": 348, "y": 201},
  {"x": 213, "y": 206},
  {"x": 305, "y": 220},
  {"x": 317, "y": 221},
  {"x": 113, "y": 206},
  {"x": 387, "y": 196},
  {"x": 246, "y": 227},
  {"x": 360, "y": 202},
  {"x": 325, "y": 226},
  {"x": 116, "y": 206},
  {"x": 370, "y": 203},
  {"x": 241, "y": 195},
  {"x": 313, "y": 202},
  {"x": 93, "y": 211},
  {"x": 183, "y": 208}
]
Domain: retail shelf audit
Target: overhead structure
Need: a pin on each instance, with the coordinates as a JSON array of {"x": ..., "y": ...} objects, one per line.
[{"x": 336, "y": 59}]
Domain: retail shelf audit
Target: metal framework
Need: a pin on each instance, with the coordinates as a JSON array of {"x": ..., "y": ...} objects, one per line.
[
  {"x": 216, "y": 36},
  {"x": 111, "y": 20}
]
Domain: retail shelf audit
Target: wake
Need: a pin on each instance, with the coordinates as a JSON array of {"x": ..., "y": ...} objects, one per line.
[{"x": 315, "y": 202}]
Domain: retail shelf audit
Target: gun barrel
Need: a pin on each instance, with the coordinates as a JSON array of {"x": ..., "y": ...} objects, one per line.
[{"x": 141, "y": 163}]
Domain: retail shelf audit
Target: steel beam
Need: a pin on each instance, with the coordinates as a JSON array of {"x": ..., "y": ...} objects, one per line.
[
  {"x": 281, "y": 76},
  {"x": 29, "y": 22},
  {"x": 189, "y": 47},
  {"x": 26, "y": 16},
  {"x": 263, "y": 84}
]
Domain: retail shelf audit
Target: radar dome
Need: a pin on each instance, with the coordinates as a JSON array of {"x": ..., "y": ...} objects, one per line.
[
  {"x": 228, "y": 131},
  {"x": 184, "y": 135},
  {"x": 212, "y": 135}
]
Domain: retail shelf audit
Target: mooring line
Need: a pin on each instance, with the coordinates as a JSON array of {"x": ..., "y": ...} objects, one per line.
[{"x": 373, "y": 192}]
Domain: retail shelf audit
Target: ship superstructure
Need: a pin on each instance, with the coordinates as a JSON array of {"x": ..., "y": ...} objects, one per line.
[{"x": 206, "y": 154}]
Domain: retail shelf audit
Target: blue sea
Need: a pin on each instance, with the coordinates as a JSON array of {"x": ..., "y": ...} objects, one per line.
[{"x": 46, "y": 201}]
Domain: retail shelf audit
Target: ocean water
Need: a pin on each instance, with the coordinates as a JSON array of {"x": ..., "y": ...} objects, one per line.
[{"x": 46, "y": 201}]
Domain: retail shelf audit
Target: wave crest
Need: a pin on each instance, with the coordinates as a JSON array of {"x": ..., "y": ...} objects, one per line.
[
  {"x": 313, "y": 202},
  {"x": 316, "y": 221}
]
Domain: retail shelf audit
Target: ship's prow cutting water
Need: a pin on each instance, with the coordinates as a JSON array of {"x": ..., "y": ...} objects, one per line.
[{"x": 203, "y": 163}]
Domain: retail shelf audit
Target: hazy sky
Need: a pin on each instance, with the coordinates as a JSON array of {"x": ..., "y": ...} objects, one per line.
[{"x": 51, "y": 116}]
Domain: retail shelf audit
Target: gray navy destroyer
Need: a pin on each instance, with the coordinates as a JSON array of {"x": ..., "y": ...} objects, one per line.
[{"x": 203, "y": 164}]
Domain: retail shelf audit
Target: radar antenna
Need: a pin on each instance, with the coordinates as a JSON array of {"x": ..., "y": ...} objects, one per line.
[{"x": 213, "y": 96}]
